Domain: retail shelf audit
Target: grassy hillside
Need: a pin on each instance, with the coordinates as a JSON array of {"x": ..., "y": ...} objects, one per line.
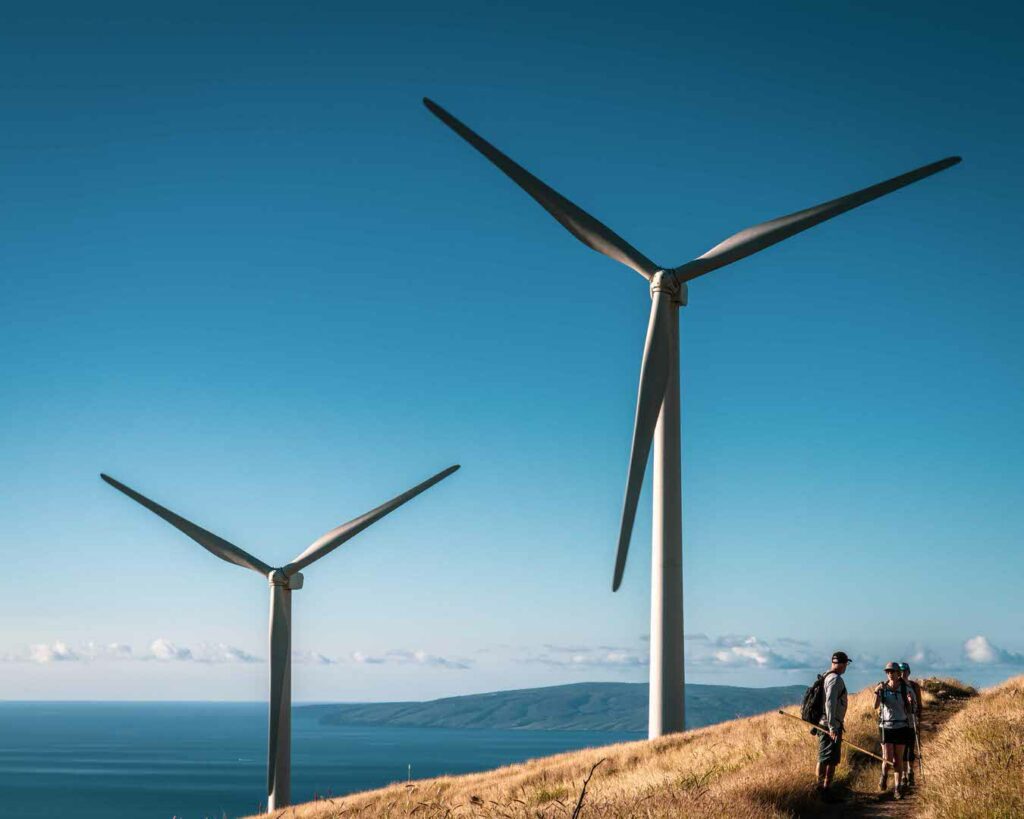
[
  {"x": 576, "y": 707},
  {"x": 754, "y": 767},
  {"x": 976, "y": 766}
]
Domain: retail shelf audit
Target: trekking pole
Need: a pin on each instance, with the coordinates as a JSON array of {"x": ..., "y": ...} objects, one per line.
[
  {"x": 917, "y": 743},
  {"x": 822, "y": 730}
]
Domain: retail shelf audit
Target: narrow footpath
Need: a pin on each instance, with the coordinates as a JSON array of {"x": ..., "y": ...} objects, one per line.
[{"x": 861, "y": 798}]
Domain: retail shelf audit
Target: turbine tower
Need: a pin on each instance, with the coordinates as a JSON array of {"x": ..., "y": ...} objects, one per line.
[
  {"x": 657, "y": 408},
  {"x": 283, "y": 581}
]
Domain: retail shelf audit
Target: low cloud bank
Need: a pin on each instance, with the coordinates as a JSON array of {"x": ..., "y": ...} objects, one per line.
[
  {"x": 587, "y": 657},
  {"x": 160, "y": 650},
  {"x": 979, "y": 650},
  {"x": 398, "y": 656}
]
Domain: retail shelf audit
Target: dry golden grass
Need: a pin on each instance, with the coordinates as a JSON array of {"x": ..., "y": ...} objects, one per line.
[
  {"x": 755, "y": 767},
  {"x": 975, "y": 768}
]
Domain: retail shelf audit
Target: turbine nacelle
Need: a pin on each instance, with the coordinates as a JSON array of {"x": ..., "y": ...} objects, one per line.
[
  {"x": 279, "y": 578},
  {"x": 669, "y": 283}
]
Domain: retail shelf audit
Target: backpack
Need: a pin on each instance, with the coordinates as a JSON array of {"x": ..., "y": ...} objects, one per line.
[{"x": 812, "y": 706}]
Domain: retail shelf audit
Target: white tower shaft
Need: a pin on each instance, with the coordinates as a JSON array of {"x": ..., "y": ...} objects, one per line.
[
  {"x": 279, "y": 741},
  {"x": 666, "y": 704}
]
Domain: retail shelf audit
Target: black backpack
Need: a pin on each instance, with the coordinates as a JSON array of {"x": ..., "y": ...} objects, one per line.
[{"x": 812, "y": 706}]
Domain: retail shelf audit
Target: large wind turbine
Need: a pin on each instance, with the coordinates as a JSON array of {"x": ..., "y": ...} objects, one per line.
[
  {"x": 657, "y": 408},
  {"x": 283, "y": 581}
]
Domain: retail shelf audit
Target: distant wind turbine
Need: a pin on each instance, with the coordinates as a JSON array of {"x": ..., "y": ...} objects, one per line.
[
  {"x": 283, "y": 581},
  {"x": 657, "y": 409}
]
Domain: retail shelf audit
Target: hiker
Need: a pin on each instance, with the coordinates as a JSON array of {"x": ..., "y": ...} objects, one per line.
[
  {"x": 834, "y": 700},
  {"x": 915, "y": 692},
  {"x": 893, "y": 701}
]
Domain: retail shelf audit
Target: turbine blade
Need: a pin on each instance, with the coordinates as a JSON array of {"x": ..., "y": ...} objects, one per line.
[
  {"x": 758, "y": 237},
  {"x": 209, "y": 541},
  {"x": 334, "y": 538},
  {"x": 578, "y": 222},
  {"x": 654, "y": 373}
]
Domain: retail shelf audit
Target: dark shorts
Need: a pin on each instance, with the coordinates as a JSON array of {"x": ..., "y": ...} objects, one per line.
[
  {"x": 828, "y": 750},
  {"x": 896, "y": 736}
]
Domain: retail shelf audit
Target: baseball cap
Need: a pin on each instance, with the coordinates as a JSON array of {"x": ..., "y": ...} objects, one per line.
[
  {"x": 893, "y": 667},
  {"x": 841, "y": 657}
]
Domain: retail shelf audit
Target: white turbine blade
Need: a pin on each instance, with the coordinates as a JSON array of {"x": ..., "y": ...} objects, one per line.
[
  {"x": 209, "y": 541},
  {"x": 578, "y": 222},
  {"x": 758, "y": 237},
  {"x": 334, "y": 538},
  {"x": 654, "y": 373}
]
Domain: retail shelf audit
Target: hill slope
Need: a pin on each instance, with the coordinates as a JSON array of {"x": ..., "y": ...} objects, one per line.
[
  {"x": 577, "y": 707},
  {"x": 754, "y": 767}
]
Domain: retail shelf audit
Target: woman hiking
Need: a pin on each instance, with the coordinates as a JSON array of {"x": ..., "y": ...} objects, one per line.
[{"x": 894, "y": 704}]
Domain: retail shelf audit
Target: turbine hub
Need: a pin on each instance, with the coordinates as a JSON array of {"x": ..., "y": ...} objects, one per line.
[
  {"x": 666, "y": 281},
  {"x": 279, "y": 578}
]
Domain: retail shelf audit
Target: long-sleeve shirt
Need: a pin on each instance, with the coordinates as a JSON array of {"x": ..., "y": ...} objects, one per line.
[{"x": 834, "y": 690}]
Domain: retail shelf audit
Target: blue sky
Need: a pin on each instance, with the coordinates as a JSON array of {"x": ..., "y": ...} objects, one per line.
[{"x": 248, "y": 274}]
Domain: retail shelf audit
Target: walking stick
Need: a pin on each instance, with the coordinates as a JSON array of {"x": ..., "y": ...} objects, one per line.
[
  {"x": 917, "y": 744},
  {"x": 822, "y": 730}
]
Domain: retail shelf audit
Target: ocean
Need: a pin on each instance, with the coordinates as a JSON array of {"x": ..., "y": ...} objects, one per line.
[{"x": 195, "y": 760}]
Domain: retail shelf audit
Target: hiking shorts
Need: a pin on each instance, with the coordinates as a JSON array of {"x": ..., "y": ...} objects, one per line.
[
  {"x": 829, "y": 750},
  {"x": 896, "y": 736}
]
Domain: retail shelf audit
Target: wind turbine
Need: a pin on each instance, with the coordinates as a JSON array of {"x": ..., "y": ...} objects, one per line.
[
  {"x": 657, "y": 407},
  {"x": 283, "y": 581}
]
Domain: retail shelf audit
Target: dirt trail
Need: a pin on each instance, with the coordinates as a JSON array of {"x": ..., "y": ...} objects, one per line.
[{"x": 861, "y": 799}]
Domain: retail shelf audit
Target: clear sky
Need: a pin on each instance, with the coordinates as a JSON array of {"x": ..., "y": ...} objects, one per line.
[{"x": 247, "y": 273}]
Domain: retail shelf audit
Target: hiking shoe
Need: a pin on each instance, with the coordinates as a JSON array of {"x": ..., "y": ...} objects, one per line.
[
  {"x": 897, "y": 793},
  {"x": 883, "y": 782}
]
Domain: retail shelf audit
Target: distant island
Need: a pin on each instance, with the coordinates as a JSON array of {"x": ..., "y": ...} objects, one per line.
[{"x": 577, "y": 707}]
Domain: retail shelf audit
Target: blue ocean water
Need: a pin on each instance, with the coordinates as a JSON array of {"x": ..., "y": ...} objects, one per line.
[{"x": 195, "y": 760}]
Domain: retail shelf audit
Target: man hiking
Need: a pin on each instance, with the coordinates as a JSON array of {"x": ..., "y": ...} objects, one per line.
[
  {"x": 893, "y": 701},
  {"x": 910, "y": 755},
  {"x": 834, "y": 701}
]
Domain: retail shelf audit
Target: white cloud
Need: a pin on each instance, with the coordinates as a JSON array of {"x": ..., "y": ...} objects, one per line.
[
  {"x": 743, "y": 651},
  {"x": 312, "y": 658},
  {"x": 403, "y": 657},
  {"x": 922, "y": 657},
  {"x": 980, "y": 651},
  {"x": 107, "y": 651},
  {"x": 366, "y": 659},
  {"x": 164, "y": 650},
  {"x": 223, "y": 653},
  {"x": 58, "y": 652},
  {"x": 588, "y": 657},
  {"x": 161, "y": 649},
  {"x": 750, "y": 651}
]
